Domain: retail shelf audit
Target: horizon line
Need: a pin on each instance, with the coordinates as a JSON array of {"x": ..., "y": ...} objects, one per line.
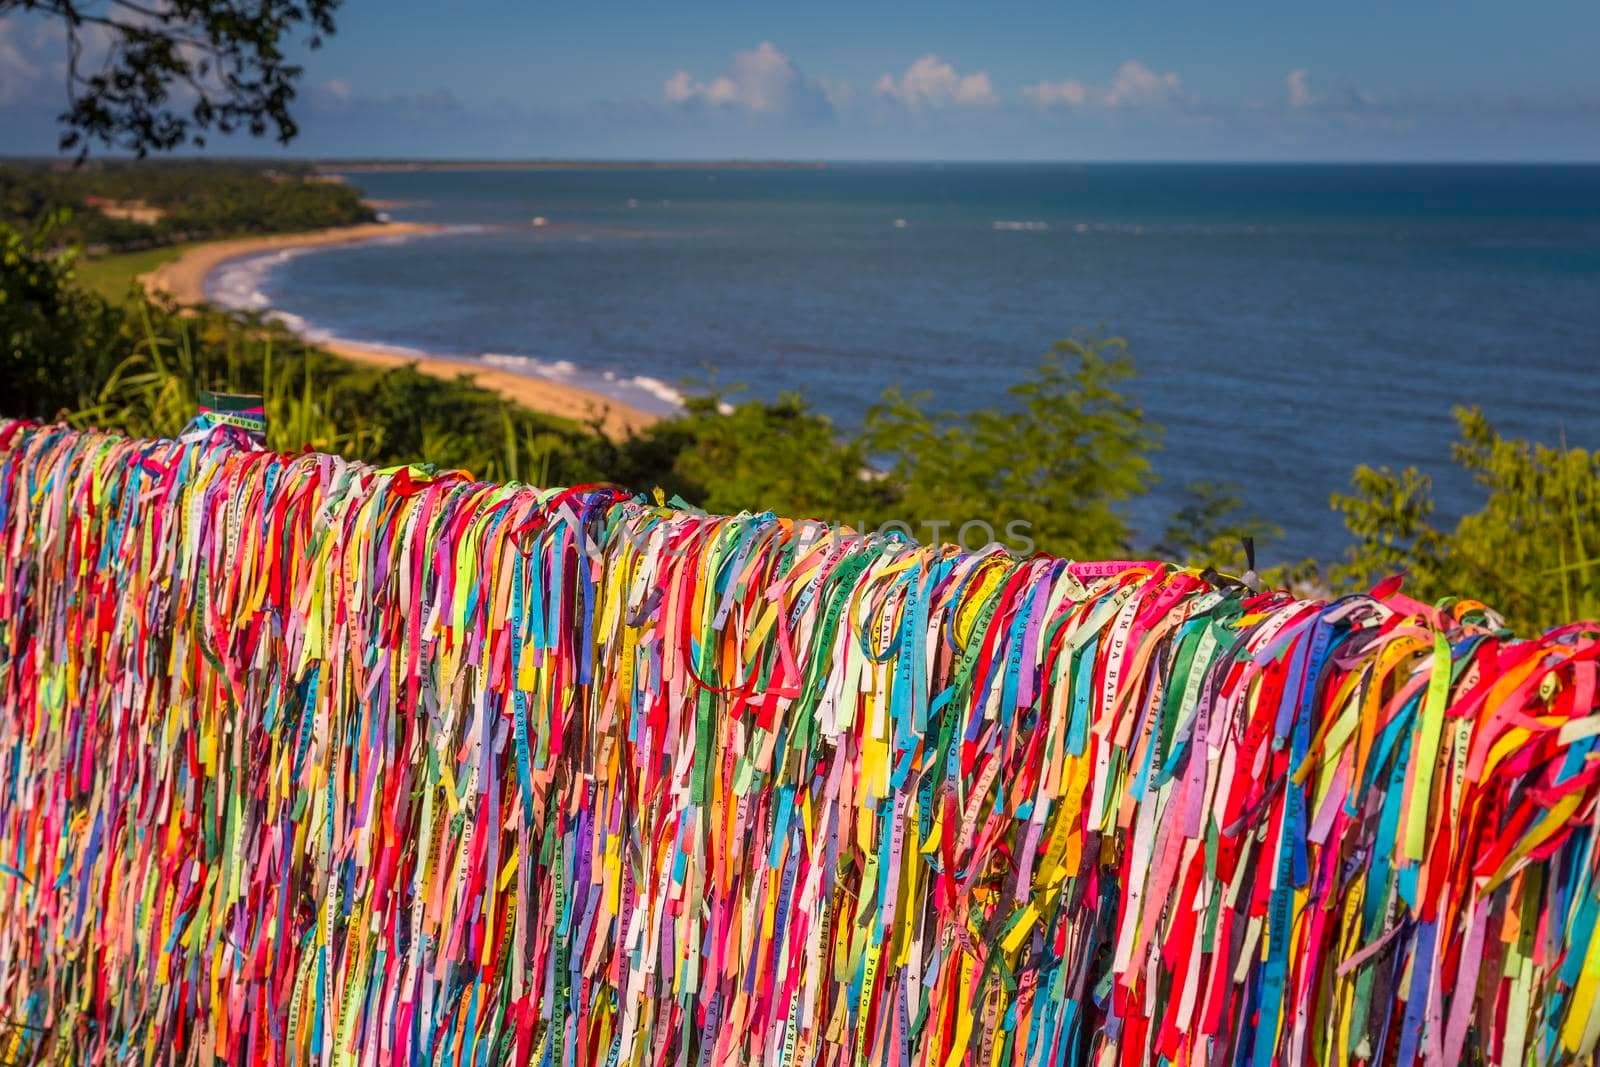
[{"x": 796, "y": 162}]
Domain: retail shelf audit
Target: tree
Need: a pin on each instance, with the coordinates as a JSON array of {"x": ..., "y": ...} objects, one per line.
[
  {"x": 1532, "y": 551},
  {"x": 58, "y": 342},
  {"x": 760, "y": 455},
  {"x": 147, "y": 75},
  {"x": 1062, "y": 461},
  {"x": 1210, "y": 528}
]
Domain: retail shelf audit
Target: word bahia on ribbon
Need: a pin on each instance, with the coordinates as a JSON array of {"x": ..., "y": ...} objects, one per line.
[{"x": 311, "y": 763}]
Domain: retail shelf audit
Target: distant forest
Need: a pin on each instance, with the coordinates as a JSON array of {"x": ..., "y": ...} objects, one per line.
[{"x": 127, "y": 207}]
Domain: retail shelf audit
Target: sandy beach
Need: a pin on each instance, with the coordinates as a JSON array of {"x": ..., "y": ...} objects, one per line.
[{"x": 184, "y": 279}]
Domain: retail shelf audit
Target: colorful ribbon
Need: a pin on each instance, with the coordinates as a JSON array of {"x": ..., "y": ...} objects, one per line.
[{"x": 307, "y": 762}]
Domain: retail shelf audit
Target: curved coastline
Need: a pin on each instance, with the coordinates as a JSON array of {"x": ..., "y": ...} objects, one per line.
[{"x": 184, "y": 279}]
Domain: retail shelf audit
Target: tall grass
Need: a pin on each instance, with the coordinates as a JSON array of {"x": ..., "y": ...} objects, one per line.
[{"x": 155, "y": 391}]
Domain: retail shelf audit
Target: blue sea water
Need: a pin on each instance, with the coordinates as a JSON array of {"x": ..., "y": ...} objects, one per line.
[{"x": 1288, "y": 322}]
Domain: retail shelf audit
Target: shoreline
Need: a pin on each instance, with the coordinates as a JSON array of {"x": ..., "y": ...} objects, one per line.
[
  {"x": 333, "y": 168},
  {"x": 184, "y": 280}
]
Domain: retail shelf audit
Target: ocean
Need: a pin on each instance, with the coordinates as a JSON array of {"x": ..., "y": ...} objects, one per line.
[{"x": 1288, "y": 322}]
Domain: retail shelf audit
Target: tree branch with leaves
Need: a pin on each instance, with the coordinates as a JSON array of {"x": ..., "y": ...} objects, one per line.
[{"x": 163, "y": 74}]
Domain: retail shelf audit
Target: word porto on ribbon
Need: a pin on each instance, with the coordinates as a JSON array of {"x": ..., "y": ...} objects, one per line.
[{"x": 307, "y": 762}]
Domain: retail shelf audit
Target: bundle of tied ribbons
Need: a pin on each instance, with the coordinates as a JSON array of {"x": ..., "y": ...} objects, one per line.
[{"x": 311, "y": 763}]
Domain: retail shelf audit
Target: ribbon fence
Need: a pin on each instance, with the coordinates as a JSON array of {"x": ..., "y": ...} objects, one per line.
[{"x": 310, "y": 763}]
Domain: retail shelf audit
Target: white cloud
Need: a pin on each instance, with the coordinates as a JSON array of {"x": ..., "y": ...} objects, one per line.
[
  {"x": 932, "y": 83},
  {"x": 761, "y": 81},
  {"x": 1048, "y": 94},
  {"x": 1298, "y": 84},
  {"x": 1134, "y": 85}
]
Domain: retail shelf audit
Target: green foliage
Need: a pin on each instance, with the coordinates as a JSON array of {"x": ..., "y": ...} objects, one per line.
[
  {"x": 1077, "y": 449},
  {"x": 58, "y": 343},
  {"x": 195, "y": 199},
  {"x": 1532, "y": 550},
  {"x": 154, "y": 390},
  {"x": 33, "y": 191},
  {"x": 777, "y": 456},
  {"x": 316, "y": 400},
  {"x": 143, "y": 77},
  {"x": 1210, "y": 527}
]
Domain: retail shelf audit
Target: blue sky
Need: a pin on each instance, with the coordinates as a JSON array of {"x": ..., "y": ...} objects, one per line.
[{"x": 1355, "y": 80}]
